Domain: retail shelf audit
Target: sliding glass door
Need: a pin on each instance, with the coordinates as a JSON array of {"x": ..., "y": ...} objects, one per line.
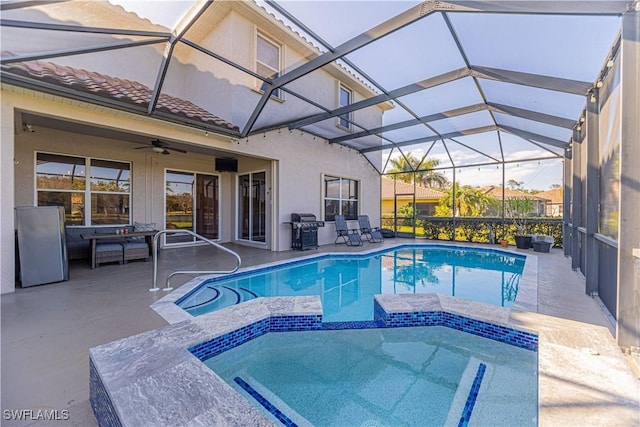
[
  {"x": 191, "y": 203},
  {"x": 252, "y": 207}
]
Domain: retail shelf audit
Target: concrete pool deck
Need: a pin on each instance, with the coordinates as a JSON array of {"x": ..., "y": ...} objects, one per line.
[{"x": 47, "y": 332}]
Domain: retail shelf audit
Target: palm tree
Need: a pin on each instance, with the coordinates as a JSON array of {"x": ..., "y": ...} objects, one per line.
[
  {"x": 469, "y": 201},
  {"x": 404, "y": 163},
  {"x": 430, "y": 178},
  {"x": 421, "y": 173}
]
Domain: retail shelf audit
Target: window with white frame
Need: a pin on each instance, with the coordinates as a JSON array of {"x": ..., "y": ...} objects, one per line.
[
  {"x": 92, "y": 191},
  {"x": 268, "y": 61},
  {"x": 340, "y": 198},
  {"x": 345, "y": 97}
]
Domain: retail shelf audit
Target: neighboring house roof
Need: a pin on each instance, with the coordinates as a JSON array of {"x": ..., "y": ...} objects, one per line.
[
  {"x": 387, "y": 191},
  {"x": 113, "y": 88},
  {"x": 496, "y": 191},
  {"x": 554, "y": 195}
]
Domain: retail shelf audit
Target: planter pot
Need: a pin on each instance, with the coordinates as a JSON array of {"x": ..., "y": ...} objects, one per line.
[
  {"x": 504, "y": 243},
  {"x": 541, "y": 247},
  {"x": 523, "y": 242}
]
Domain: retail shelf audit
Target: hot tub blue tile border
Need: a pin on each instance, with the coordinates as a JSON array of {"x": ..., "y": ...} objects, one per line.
[
  {"x": 222, "y": 343},
  {"x": 382, "y": 319},
  {"x": 517, "y": 338},
  {"x": 101, "y": 403}
]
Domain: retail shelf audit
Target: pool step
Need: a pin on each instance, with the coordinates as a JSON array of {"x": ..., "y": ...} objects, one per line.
[{"x": 218, "y": 296}]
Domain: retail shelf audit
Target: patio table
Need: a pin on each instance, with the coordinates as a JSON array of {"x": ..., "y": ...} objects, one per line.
[{"x": 94, "y": 237}]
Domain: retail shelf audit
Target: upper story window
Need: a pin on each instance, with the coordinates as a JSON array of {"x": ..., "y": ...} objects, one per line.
[
  {"x": 268, "y": 61},
  {"x": 345, "y": 98},
  {"x": 78, "y": 182},
  {"x": 340, "y": 198}
]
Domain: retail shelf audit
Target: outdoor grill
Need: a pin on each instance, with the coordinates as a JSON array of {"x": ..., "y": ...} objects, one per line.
[{"x": 304, "y": 231}]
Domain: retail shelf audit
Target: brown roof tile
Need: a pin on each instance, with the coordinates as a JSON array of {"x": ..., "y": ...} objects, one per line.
[
  {"x": 555, "y": 195},
  {"x": 387, "y": 190},
  {"x": 122, "y": 90},
  {"x": 496, "y": 191}
]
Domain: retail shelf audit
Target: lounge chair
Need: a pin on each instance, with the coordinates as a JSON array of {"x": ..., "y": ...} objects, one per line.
[
  {"x": 350, "y": 237},
  {"x": 373, "y": 235}
]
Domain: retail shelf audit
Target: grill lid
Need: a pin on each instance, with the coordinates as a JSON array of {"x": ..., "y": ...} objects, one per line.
[{"x": 303, "y": 217}]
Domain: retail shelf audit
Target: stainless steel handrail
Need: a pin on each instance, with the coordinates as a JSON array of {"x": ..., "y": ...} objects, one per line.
[{"x": 211, "y": 242}]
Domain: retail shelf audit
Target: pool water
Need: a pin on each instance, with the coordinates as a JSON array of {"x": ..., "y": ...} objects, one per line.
[
  {"x": 346, "y": 284},
  {"x": 423, "y": 376}
]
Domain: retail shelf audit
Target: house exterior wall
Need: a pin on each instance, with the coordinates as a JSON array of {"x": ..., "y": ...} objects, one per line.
[
  {"x": 554, "y": 209},
  {"x": 233, "y": 95},
  {"x": 294, "y": 162},
  {"x": 217, "y": 87},
  {"x": 92, "y": 14}
]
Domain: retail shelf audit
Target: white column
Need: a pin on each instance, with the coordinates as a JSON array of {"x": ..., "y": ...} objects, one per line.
[{"x": 7, "y": 186}]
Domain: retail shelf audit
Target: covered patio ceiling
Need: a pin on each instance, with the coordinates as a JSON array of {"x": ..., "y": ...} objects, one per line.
[{"x": 470, "y": 82}]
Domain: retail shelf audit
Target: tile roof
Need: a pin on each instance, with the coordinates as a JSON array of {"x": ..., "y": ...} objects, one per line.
[
  {"x": 496, "y": 191},
  {"x": 121, "y": 90},
  {"x": 402, "y": 187},
  {"x": 555, "y": 195}
]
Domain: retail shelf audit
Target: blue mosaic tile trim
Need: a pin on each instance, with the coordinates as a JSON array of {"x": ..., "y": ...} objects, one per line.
[
  {"x": 265, "y": 403},
  {"x": 101, "y": 403},
  {"x": 295, "y": 323},
  {"x": 417, "y": 318},
  {"x": 379, "y": 315},
  {"x": 361, "y": 324},
  {"x": 499, "y": 333},
  {"x": 217, "y": 345},
  {"x": 473, "y": 395},
  {"x": 521, "y": 339}
]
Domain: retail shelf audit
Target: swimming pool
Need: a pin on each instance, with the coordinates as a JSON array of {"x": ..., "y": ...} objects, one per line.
[
  {"x": 399, "y": 376},
  {"x": 346, "y": 283}
]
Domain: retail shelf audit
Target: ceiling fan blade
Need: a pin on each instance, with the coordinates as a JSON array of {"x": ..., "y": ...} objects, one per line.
[
  {"x": 165, "y": 152},
  {"x": 141, "y": 148}
]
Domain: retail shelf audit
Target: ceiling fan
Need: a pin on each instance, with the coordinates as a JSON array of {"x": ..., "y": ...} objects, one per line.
[{"x": 161, "y": 147}]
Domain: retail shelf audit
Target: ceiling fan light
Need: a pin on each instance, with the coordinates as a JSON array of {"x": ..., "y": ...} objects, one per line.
[{"x": 158, "y": 149}]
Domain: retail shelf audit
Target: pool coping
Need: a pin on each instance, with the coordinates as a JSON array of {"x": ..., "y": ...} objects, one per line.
[
  {"x": 153, "y": 379},
  {"x": 526, "y": 299}
]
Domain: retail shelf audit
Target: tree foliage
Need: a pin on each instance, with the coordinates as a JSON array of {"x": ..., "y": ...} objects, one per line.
[
  {"x": 419, "y": 172},
  {"x": 518, "y": 207},
  {"x": 469, "y": 202}
]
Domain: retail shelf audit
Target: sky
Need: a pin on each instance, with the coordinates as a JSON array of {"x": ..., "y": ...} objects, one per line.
[{"x": 547, "y": 45}]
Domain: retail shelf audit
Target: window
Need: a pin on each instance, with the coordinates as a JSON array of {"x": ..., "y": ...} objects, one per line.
[
  {"x": 267, "y": 62},
  {"x": 345, "y": 96},
  {"x": 340, "y": 198},
  {"x": 62, "y": 181}
]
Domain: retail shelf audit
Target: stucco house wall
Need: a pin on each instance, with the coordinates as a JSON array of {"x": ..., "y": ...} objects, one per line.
[{"x": 294, "y": 162}]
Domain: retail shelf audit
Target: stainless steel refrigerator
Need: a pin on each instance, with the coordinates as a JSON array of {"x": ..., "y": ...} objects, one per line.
[{"x": 42, "y": 247}]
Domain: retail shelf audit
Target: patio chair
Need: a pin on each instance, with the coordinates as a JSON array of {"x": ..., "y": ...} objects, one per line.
[
  {"x": 373, "y": 235},
  {"x": 350, "y": 237}
]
